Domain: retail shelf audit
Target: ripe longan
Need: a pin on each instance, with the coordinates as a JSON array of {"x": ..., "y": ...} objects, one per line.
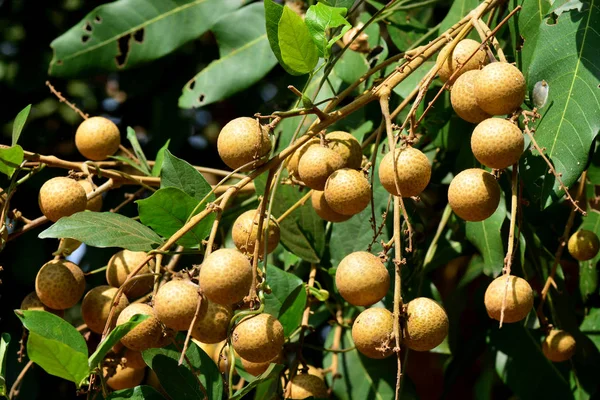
[
  {"x": 242, "y": 141},
  {"x": 362, "y": 279},
  {"x": 258, "y": 338},
  {"x": 94, "y": 204},
  {"x": 347, "y": 147},
  {"x": 96, "y": 307},
  {"x": 323, "y": 210},
  {"x": 60, "y": 197},
  {"x": 97, "y": 138},
  {"x": 347, "y": 191},
  {"x": 583, "y": 245},
  {"x": 32, "y": 302},
  {"x": 292, "y": 165},
  {"x": 459, "y": 56},
  {"x": 258, "y": 368},
  {"x": 134, "y": 359},
  {"x": 121, "y": 264},
  {"x": 426, "y": 324},
  {"x": 519, "y": 298},
  {"x": 212, "y": 327},
  {"x": 317, "y": 164},
  {"x": 306, "y": 385},
  {"x": 226, "y": 276},
  {"x": 413, "y": 172},
  {"x": 60, "y": 284},
  {"x": 499, "y": 88},
  {"x": 124, "y": 377},
  {"x": 462, "y": 97},
  {"x": 147, "y": 334},
  {"x": 175, "y": 304},
  {"x": 497, "y": 143},
  {"x": 474, "y": 194},
  {"x": 371, "y": 331},
  {"x": 558, "y": 346},
  {"x": 245, "y": 229}
]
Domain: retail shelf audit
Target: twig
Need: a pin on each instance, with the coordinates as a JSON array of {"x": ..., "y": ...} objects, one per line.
[
  {"x": 296, "y": 205},
  {"x": 511, "y": 236},
  {"x": 485, "y": 33},
  {"x": 62, "y": 99},
  {"x": 186, "y": 343},
  {"x": 14, "y": 390},
  {"x": 129, "y": 197}
]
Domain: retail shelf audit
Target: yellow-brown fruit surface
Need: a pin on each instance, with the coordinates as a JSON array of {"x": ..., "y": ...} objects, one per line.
[
  {"x": 347, "y": 147},
  {"x": 175, "y": 304},
  {"x": 226, "y": 276},
  {"x": 474, "y": 194},
  {"x": 242, "y": 141},
  {"x": 372, "y": 330},
  {"x": 60, "y": 284},
  {"x": 317, "y": 164},
  {"x": 121, "y": 264},
  {"x": 212, "y": 327},
  {"x": 94, "y": 204},
  {"x": 323, "y": 210},
  {"x": 583, "y": 245},
  {"x": 558, "y": 346},
  {"x": 347, "y": 191},
  {"x": 97, "y": 138},
  {"x": 459, "y": 56},
  {"x": 426, "y": 324},
  {"x": 362, "y": 279},
  {"x": 292, "y": 165},
  {"x": 60, "y": 197},
  {"x": 258, "y": 338},
  {"x": 519, "y": 298},
  {"x": 497, "y": 143},
  {"x": 245, "y": 229},
  {"x": 33, "y": 303},
  {"x": 134, "y": 359},
  {"x": 148, "y": 334},
  {"x": 96, "y": 305},
  {"x": 413, "y": 172},
  {"x": 256, "y": 369},
  {"x": 462, "y": 97},
  {"x": 306, "y": 385},
  {"x": 124, "y": 377},
  {"x": 500, "y": 88}
]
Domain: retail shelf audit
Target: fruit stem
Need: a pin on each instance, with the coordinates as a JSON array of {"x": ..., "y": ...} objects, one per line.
[
  {"x": 186, "y": 343},
  {"x": 397, "y": 291},
  {"x": 511, "y": 236},
  {"x": 62, "y": 99},
  {"x": 485, "y": 34}
]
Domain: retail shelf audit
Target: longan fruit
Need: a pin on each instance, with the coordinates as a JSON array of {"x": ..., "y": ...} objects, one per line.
[
  {"x": 459, "y": 56},
  {"x": 258, "y": 338},
  {"x": 147, "y": 334},
  {"x": 124, "y": 377},
  {"x": 499, "y": 88},
  {"x": 134, "y": 359},
  {"x": 372, "y": 330},
  {"x": 497, "y": 143},
  {"x": 413, "y": 172},
  {"x": 474, "y": 194},
  {"x": 323, "y": 210},
  {"x": 226, "y": 276},
  {"x": 519, "y": 298},
  {"x": 558, "y": 346},
  {"x": 583, "y": 245},
  {"x": 426, "y": 324},
  {"x": 317, "y": 164},
  {"x": 121, "y": 264},
  {"x": 256, "y": 369},
  {"x": 32, "y": 302},
  {"x": 96, "y": 306},
  {"x": 97, "y": 138},
  {"x": 245, "y": 229},
  {"x": 241, "y": 141},
  {"x": 304, "y": 386},
  {"x": 212, "y": 327},
  {"x": 175, "y": 304},
  {"x": 60, "y": 284},
  {"x": 292, "y": 165},
  {"x": 347, "y": 147},
  {"x": 94, "y": 204},
  {"x": 60, "y": 197},
  {"x": 347, "y": 191},
  {"x": 462, "y": 97},
  {"x": 362, "y": 279}
]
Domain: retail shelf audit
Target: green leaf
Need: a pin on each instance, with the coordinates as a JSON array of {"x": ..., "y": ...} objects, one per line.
[
  {"x": 52, "y": 327},
  {"x": 104, "y": 229},
  {"x": 282, "y": 284},
  {"x": 273, "y": 12},
  {"x": 588, "y": 272},
  {"x": 298, "y": 52},
  {"x": 273, "y": 371},
  {"x": 292, "y": 309},
  {"x": 339, "y": 3},
  {"x": 458, "y": 10},
  {"x": 404, "y": 30},
  {"x": 531, "y": 17},
  {"x": 10, "y": 159},
  {"x": 167, "y": 210},
  {"x": 160, "y": 156},
  {"x": 4, "y": 342},
  {"x": 127, "y": 33},
  {"x": 137, "y": 149},
  {"x": 180, "y": 174},
  {"x": 130, "y": 162},
  {"x": 242, "y": 40},
  {"x": 19, "y": 123},
  {"x": 591, "y": 326},
  {"x": 142, "y": 392},
  {"x": 566, "y": 57},
  {"x": 319, "y": 19}
]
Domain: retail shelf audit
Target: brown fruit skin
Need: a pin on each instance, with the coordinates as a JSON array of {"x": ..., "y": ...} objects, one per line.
[
  {"x": 559, "y": 346},
  {"x": 94, "y": 204},
  {"x": 148, "y": 334},
  {"x": 317, "y": 164},
  {"x": 60, "y": 284},
  {"x": 347, "y": 147},
  {"x": 583, "y": 245},
  {"x": 134, "y": 359},
  {"x": 245, "y": 229},
  {"x": 412, "y": 168},
  {"x": 347, "y": 191},
  {"x": 362, "y": 279},
  {"x": 497, "y": 143},
  {"x": 175, "y": 304},
  {"x": 499, "y": 88},
  {"x": 519, "y": 298},
  {"x": 121, "y": 264},
  {"x": 60, "y": 197},
  {"x": 96, "y": 305},
  {"x": 292, "y": 165},
  {"x": 212, "y": 327},
  {"x": 474, "y": 194},
  {"x": 226, "y": 276},
  {"x": 461, "y": 53},
  {"x": 258, "y": 368},
  {"x": 97, "y": 138},
  {"x": 32, "y": 302},
  {"x": 258, "y": 338},
  {"x": 371, "y": 330},
  {"x": 306, "y": 385},
  {"x": 323, "y": 210},
  {"x": 241, "y": 141},
  {"x": 124, "y": 377},
  {"x": 426, "y": 324},
  {"x": 462, "y": 97}
]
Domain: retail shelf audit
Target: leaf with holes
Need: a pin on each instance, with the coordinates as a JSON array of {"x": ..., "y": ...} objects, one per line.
[
  {"x": 127, "y": 33},
  {"x": 526, "y": 25}
]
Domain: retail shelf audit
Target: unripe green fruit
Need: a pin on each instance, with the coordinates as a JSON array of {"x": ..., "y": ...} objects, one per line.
[
  {"x": 474, "y": 194},
  {"x": 258, "y": 338},
  {"x": 147, "y": 334},
  {"x": 323, "y": 210},
  {"x": 347, "y": 191},
  {"x": 459, "y": 56},
  {"x": 212, "y": 327},
  {"x": 426, "y": 324},
  {"x": 519, "y": 298},
  {"x": 60, "y": 197},
  {"x": 497, "y": 143},
  {"x": 558, "y": 346},
  {"x": 226, "y": 276},
  {"x": 175, "y": 304},
  {"x": 242, "y": 141},
  {"x": 121, "y": 264},
  {"x": 317, "y": 164},
  {"x": 306, "y": 385},
  {"x": 33, "y": 303},
  {"x": 60, "y": 284},
  {"x": 500, "y": 88},
  {"x": 134, "y": 359},
  {"x": 245, "y": 229},
  {"x": 347, "y": 147},
  {"x": 583, "y": 245},
  {"x": 96, "y": 306},
  {"x": 124, "y": 377},
  {"x": 97, "y": 138},
  {"x": 413, "y": 172},
  {"x": 371, "y": 331},
  {"x": 94, "y": 204},
  {"x": 462, "y": 97},
  {"x": 362, "y": 279}
]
